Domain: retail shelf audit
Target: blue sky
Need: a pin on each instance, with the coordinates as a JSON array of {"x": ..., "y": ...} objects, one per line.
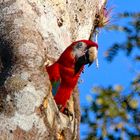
[{"x": 117, "y": 72}]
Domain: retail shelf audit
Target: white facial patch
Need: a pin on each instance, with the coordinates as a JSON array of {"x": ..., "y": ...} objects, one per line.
[{"x": 79, "y": 49}]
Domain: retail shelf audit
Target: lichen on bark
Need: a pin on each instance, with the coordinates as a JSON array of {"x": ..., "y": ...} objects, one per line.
[{"x": 33, "y": 33}]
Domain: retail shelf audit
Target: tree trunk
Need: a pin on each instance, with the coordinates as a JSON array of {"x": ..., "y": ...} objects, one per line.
[{"x": 34, "y": 33}]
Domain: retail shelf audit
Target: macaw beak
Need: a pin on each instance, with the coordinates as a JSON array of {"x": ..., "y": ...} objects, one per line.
[
  {"x": 91, "y": 55},
  {"x": 88, "y": 58}
]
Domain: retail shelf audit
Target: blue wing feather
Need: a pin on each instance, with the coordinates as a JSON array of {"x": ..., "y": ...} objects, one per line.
[{"x": 55, "y": 86}]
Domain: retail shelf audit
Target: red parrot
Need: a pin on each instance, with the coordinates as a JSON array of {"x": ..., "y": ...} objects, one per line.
[{"x": 65, "y": 72}]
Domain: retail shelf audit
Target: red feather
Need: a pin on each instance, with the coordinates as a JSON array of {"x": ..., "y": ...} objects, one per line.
[
  {"x": 68, "y": 81},
  {"x": 53, "y": 71}
]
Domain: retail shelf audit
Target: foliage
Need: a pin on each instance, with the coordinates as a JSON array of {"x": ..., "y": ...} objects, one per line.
[
  {"x": 132, "y": 32},
  {"x": 115, "y": 114},
  {"x": 116, "y": 110}
]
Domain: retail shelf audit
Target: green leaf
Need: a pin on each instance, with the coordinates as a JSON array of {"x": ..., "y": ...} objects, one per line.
[{"x": 133, "y": 103}]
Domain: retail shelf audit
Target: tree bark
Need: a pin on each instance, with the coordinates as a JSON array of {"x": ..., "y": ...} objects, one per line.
[{"x": 34, "y": 33}]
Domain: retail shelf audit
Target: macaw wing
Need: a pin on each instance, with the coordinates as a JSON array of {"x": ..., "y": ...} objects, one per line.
[
  {"x": 55, "y": 86},
  {"x": 54, "y": 76}
]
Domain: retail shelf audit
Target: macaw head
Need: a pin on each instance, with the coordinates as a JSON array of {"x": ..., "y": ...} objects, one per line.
[{"x": 85, "y": 52}]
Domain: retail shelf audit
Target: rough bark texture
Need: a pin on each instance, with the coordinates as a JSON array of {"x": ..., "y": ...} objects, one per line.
[{"x": 32, "y": 33}]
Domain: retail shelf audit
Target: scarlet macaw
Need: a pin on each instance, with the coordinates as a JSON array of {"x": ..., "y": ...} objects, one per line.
[{"x": 65, "y": 72}]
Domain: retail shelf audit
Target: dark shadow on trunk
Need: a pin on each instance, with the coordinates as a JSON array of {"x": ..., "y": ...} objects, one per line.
[{"x": 6, "y": 59}]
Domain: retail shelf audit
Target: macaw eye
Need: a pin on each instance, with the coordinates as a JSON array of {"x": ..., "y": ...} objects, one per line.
[{"x": 79, "y": 45}]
